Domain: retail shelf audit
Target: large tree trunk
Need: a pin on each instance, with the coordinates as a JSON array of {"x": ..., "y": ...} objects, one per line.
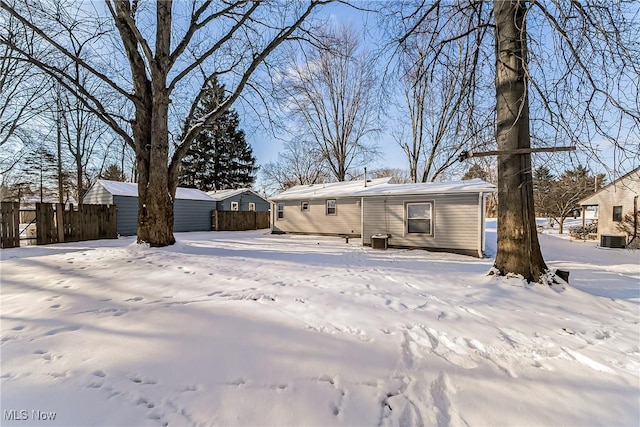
[
  {"x": 156, "y": 191},
  {"x": 518, "y": 246}
]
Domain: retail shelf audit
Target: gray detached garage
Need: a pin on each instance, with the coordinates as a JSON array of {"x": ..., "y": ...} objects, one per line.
[
  {"x": 192, "y": 207},
  {"x": 240, "y": 199},
  {"x": 446, "y": 216}
]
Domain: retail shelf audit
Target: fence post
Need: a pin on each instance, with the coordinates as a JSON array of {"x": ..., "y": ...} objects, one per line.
[
  {"x": 60, "y": 221},
  {"x": 10, "y": 224}
]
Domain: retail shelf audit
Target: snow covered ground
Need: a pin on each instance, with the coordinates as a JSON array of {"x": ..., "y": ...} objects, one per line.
[{"x": 248, "y": 328}]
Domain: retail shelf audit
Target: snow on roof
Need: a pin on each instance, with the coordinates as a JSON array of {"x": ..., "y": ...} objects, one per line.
[
  {"x": 219, "y": 195},
  {"x": 131, "y": 189},
  {"x": 381, "y": 186},
  {"x": 330, "y": 189},
  {"x": 468, "y": 186}
]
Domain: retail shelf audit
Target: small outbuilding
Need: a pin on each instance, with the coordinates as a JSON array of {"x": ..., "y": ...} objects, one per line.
[
  {"x": 434, "y": 216},
  {"x": 192, "y": 208},
  {"x": 611, "y": 204},
  {"x": 241, "y": 199}
]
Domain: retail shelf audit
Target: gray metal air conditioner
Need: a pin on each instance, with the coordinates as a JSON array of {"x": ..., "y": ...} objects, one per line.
[{"x": 612, "y": 241}]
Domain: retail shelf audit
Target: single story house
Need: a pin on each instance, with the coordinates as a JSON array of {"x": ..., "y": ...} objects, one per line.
[
  {"x": 611, "y": 203},
  {"x": 241, "y": 199},
  {"x": 192, "y": 208},
  {"x": 445, "y": 216}
]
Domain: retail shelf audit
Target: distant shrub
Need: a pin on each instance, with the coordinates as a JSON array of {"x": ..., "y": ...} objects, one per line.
[{"x": 587, "y": 232}]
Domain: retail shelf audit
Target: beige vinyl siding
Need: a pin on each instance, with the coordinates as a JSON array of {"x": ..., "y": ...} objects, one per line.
[
  {"x": 315, "y": 220},
  {"x": 455, "y": 221},
  {"x": 98, "y": 195},
  {"x": 618, "y": 194}
]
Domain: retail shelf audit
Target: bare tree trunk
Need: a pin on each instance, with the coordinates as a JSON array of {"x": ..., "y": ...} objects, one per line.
[{"x": 518, "y": 246}]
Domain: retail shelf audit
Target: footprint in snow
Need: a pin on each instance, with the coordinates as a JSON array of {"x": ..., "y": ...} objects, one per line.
[{"x": 56, "y": 331}]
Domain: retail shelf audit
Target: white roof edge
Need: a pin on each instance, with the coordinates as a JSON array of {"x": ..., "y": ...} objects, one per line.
[{"x": 474, "y": 186}]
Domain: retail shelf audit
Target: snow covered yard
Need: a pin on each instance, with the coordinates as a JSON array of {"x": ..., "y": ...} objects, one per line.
[{"x": 252, "y": 329}]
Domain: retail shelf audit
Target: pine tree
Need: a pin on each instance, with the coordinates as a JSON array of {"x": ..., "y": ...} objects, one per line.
[
  {"x": 113, "y": 173},
  {"x": 220, "y": 157},
  {"x": 40, "y": 172}
]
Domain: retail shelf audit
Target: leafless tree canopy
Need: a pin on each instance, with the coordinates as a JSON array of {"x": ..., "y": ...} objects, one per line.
[
  {"x": 330, "y": 93},
  {"x": 170, "y": 51},
  {"x": 441, "y": 75},
  {"x": 298, "y": 163},
  {"x": 566, "y": 72}
]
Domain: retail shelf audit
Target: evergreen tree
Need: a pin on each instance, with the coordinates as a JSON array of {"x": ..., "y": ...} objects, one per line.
[
  {"x": 113, "y": 173},
  {"x": 543, "y": 181},
  {"x": 40, "y": 172},
  {"x": 476, "y": 171},
  {"x": 220, "y": 157}
]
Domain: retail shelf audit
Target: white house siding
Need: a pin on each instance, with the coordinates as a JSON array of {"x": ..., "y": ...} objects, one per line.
[
  {"x": 454, "y": 223},
  {"x": 98, "y": 195},
  {"x": 620, "y": 193},
  {"x": 315, "y": 220}
]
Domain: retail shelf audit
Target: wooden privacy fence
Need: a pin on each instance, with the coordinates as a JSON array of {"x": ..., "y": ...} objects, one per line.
[
  {"x": 239, "y": 220},
  {"x": 54, "y": 224},
  {"x": 9, "y": 224}
]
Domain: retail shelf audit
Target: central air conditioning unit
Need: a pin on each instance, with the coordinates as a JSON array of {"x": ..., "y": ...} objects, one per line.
[{"x": 612, "y": 241}]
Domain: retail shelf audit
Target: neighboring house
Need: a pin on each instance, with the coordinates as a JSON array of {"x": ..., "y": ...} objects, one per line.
[
  {"x": 435, "y": 216},
  {"x": 192, "y": 208},
  {"x": 241, "y": 199},
  {"x": 612, "y": 202}
]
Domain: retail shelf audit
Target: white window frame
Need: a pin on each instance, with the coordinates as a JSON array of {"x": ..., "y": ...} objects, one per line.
[
  {"x": 252, "y": 207},
  {"x": 327, "y": 207},
  {"x": 304, "y": 206},
  {"x": 408, "y": 219},
  {"x": 280, "y": 211},
  {"x": 235, "y": 206}
]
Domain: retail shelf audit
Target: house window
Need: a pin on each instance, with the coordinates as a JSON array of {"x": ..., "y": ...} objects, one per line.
[
  {"x": 304, "y": 206},
  {"x": 419, "y": 217},
  {"x": 234, "y": 206},
  {"x": 617, "y": 213},
  {"x": 252, "y": 206},
  {"x": 331, "y": 207},
  {"x": 280, "y": 210}
]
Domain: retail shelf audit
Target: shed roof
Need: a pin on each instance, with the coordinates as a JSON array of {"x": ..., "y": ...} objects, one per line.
[
  {"x": 130, "y": 189},
  {"x": 382, "y": 187},
  {"x": 219, "y": 195}
]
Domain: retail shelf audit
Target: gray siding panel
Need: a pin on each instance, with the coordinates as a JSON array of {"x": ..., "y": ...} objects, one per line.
[
  {"x": 192, "y": 215},
  {"x": 126, "y": 215},
  {"x": 243, "y": 200},
  {"x": 316, "y": 221},
  {"x": 455, "y": 221}
]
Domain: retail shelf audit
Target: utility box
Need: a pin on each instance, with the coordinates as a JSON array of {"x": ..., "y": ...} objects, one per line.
[
  {"x": 380, "y": 241},
  {"x": 612, "y": 241}
]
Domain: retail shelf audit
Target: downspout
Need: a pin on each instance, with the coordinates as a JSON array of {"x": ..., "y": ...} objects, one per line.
[
  {"x": 480, "y": 225},
  {"x": 362, "y": 220},
  {"x": 635, "y": 219},
  {"x": 584, "y": 231}
]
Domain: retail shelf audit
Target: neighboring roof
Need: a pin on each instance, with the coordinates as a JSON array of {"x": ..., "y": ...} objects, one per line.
[
  {"x": 220, "y": 195},
  {"x": 130, "y": 189},
  {"x": 382, "y": 187},
  {"x": 587, "y": 200}
]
